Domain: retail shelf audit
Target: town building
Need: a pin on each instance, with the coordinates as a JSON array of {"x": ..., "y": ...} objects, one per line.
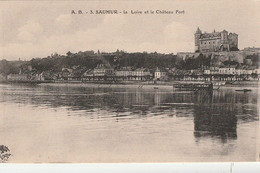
[
  {"x": 206, "y": 71},
  {"x": 124, "y": 72},
  {"x": 40, "y": 76},
  {"x": 211, "y": 71},
  {"x": 159, "y": 74},
  {"x": 141, "y": 74},
  {"x": 227, "y": 70},
  {"x": 214, "y": 70},
  {"x": 215, "y": 41},
  {"x": 17, "y": 77},
  {"x": 128, "y": 74},
  {"x": 2, "y": 77},
  {"x": 103, "y": 70},
  {"x": 66, "y": 74},
  {"x": 232, "y": 71},
  {"x": 88, "y": 73}
]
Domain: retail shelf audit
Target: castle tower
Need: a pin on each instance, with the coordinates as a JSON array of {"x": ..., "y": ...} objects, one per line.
[
  {"x": 224, "y": 37},
  {"x": 224, "y": 40},
  {"x": 197, "y": 37}
]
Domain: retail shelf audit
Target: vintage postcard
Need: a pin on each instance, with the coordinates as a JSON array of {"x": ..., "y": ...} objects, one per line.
[{"x": 125, "y": 81}]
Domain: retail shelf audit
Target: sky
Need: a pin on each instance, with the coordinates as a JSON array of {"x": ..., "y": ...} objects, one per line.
[{"x": 31, "y": 29}]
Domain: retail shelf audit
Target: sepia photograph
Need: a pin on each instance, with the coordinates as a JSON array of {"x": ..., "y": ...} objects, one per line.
[{"x": 127, "y": 82}]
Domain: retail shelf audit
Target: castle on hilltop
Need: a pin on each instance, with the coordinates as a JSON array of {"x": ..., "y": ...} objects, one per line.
[{"x": 215, "y": 41}]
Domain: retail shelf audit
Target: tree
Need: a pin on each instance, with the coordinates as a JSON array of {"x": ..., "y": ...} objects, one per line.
[
  {"x": 69, "y": 53},
  {"x": 4, "y": 153},
  {"x": 254, "y": 75}
]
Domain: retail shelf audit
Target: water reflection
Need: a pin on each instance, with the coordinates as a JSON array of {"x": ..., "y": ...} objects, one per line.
[
  {"x": 214, "y": 115},
  {"x": 215, "y": 119}
]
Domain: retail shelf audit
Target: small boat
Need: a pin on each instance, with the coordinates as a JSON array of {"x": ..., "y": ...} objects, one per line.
[
  {"x": 244, "y": 90},
  {"x": 155, "y": 88}
]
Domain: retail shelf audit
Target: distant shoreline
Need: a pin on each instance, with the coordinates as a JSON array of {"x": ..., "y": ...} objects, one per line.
[{"x": 137, "y": 83}]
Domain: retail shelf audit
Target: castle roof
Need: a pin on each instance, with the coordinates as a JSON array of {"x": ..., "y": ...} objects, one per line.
[
  {"x": 160, "y": 70},
  {"x": 213, "y": 34},
  {"x": 210, "y": 35},
  {"x": 198, "y": 31}
]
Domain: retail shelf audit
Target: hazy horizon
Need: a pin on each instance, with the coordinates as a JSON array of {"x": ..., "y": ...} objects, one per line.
[{"x": 38, "y": 29}]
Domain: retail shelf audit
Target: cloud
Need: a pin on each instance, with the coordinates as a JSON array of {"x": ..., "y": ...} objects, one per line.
[
  {"x": 178, "y": 32},
  {"x": 15, "y": 50},
  {"x": 179, "y": 36},
  {"x": 114, "y": 32},
  {"x": 30, "y": 32},
  {"x": 56, "y": 30},
  {"x": 64, "y": 19}
]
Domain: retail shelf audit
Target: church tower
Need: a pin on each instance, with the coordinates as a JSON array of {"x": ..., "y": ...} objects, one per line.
[{"x": 197, "y": 37}]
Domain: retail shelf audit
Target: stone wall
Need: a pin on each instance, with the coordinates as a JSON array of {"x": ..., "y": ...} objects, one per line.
[{"x": 237, "y": 56}]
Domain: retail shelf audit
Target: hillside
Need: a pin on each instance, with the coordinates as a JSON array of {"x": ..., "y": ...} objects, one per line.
[{"x": 90, "y": 59}]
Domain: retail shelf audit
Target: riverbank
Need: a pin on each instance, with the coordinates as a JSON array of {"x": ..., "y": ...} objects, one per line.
[
  {"x": 242, "y": 83},
  {"x": 106, "y": 85},
  {"x": 140, "y": 85},
  {"x": 131, "y": 84}
]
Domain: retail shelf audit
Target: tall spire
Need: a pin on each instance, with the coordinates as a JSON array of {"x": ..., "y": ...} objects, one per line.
[{"x": 198, "y": 31}]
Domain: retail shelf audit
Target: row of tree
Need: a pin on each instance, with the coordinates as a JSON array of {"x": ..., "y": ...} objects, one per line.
[
  {"x": 119, "y": 59},
  {"x": 7, "y": 67}
]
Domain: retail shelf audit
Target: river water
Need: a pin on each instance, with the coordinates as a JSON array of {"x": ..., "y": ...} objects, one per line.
[{"x": 72, "y": 123}]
